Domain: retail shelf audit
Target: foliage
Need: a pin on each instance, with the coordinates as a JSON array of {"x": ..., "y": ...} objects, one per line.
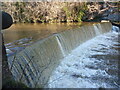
[
  {"x": 47, "y": 11},
  {"x": 80, "y": 15},
  {"x": 80, "y": 11},
  {"x": 43, "y": 12},
  {"x": 76, "y": 12}
]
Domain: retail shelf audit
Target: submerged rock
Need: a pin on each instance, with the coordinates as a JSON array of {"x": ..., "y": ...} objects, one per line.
[
  {"x": 9, "y": 51},
  {"x": 114, "y": 17},
  {"x": 15, "y": 49},
  {"x": 116, "y": 29}
]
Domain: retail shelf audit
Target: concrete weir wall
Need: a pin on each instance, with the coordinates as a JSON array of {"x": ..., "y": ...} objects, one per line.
[{"x": 34, "y": 65}]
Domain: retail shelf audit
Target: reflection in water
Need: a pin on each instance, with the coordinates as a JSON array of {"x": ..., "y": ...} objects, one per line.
[{"x": 36, "y": 31}]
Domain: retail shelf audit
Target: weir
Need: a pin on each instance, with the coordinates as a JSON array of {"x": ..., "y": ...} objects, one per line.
[{"x": 34, "y": 65}]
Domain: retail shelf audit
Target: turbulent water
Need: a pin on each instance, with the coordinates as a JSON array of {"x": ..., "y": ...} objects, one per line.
[{"x": 94, "y": 64}]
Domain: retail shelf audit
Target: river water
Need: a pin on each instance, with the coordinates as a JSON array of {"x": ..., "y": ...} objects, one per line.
[
  {"x": 35, "y": 31},
  {"x": 21, "y": 35},
  {"x": 94, "y": 64}
]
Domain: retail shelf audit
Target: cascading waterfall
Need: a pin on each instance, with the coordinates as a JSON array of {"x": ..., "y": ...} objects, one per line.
[
  {"x": 34, "y": 65},
  {"x": 94, "y": 64},
  {"x": 61, "y": 48},
  {"x": 96, "y": 30}
]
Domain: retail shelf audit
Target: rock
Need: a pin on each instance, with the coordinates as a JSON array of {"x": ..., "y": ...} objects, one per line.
[
  {"x": 105, "y": 21},
  {"x": 6, "y": 20},
  {"x": 116, "y": 29},
  {"x": 114, "y": 16},
  {"x": 25, "y": 40},
  {"x": 8, "y": 51},
  {"x": 17, "y": 49},
  {"x": 116, "y": 24},
  {"x": 8, "y": 44}
]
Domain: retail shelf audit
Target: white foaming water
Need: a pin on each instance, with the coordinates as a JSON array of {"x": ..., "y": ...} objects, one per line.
[
  {"x": 60, "y": 46},
  {"x": 96, "y": 30},
  {"x": 116, "y": 29},
  {"x": 88, "y": 65}
]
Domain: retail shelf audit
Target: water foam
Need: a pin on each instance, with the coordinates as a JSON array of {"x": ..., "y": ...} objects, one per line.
[{"x": 81, "y": 70}]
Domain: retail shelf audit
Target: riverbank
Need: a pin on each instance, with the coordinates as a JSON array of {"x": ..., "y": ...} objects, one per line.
[{"x": 56, "y": 12}]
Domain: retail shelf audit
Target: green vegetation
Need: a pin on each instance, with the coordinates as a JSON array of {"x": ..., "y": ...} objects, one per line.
[
  {"x": 82, "y": 9},
  {"x": 47, "y": 12},
  {"x": 80, "y": 15},
  {"x": 76, "y": 13},
  {"x": 39, "y": 12},
  {"x": 67, "y": 12}
]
